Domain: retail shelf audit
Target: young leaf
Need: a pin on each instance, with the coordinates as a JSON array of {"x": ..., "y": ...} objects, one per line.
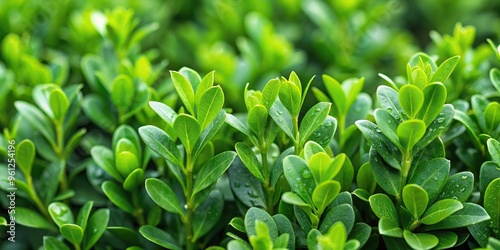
[
  {"x": 299, "y": 177},
  {"x": 420, "y": 240},
  {"x": 117, "y": 196},
  {"x": 290, "y": 96},
  {"x": 444, "y": 70},
  {"x": 336, "y": 93},
  {"x": 122, "y": 92},
  {"x": 184, "y": 90},
  {"x": 415, "y": 199},
  {"x": 411, "y": 99},
  {"x": 60, "y": 213},
  {"x": 188, "y": 130},
  {"x": 212, "y": 170},
  {"x": 335, "y": 238},
  {"x": 73, "y": 233},
  {"x": 436, "y": 128},
  {"x": 410, "y": 132},
  {"x": 59, "y": 104},
  {"x": 97, "y": 110},
  {"x": 25, "y": 155},
  {"x": 492, "y": 117},
  {"x": 160, "y": 143},
  {"x": 104, "y": 158},
  {"x": 388, "y": 227},
  {"x": 388, "y": 124},
  {"x": 206, "y": 83},
  {"x": 324, "y": 193},
  {"x": 319, "y": 164},
  {"x": 257, "y": 119},
  {"x": 234, "y": 122},
  {"x": 270, "y": 92},
  {"x": 83, "y": 216},
  {"x": 313, "y": 120},
  {"x": 211, "y": 103},
  {"x": 285, "y": 228},
  {"x": 159, "y": 237},
  {"x": 495, "y": 78},
  {"x": 248, "y": 157},
  {"x": 134, "y": 179},
  {"x": 343, "y": 213},
  {"x": 126, "y": 162},
  {"x": 389, "y": 100},
  {"x": 440, "y": 210},
  {"x": 434, "y": 99},
  {"x": 163, "y": 196},
  {"x": 209, "y": 132}
]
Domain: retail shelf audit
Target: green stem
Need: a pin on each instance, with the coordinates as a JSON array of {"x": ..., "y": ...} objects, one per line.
[
  {"x": 34, "y": 196},
  {"x": 138, "y": 212},
  {"x": 295, "y": 121},
  {"x": 414, "y": 225},
  {"x": 188, "y": 222},
  {"x": 340, "y": 131},
  {"x": 59, "y": 150},
  {"x": 267, "y": 183},
  {"x": 405, "y": 170}
]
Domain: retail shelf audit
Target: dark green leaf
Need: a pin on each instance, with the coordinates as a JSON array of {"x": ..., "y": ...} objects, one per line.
[
  {"x": 98, "y": 111},
  {"x": 458, "y": 186},
  {"x": 122, "y": 92},
  {"x": 431, "y": 176},
  {"x": 492, "y": 117},
  {"x": 248, "y": 157},
  {"x": 436, "y": 128},
  {"x": 489, "y": 172},
  {"x": 382, "y": 206},
  {"x": 342, "y": 213},
  {"x": 324, "y": 134},
  {"x": 165, "y": 112},
  {"x": 212, "y": 170},
  {"x": 163, "y": 196},
  {"x": 285, "y": 227},
  {"x": 447, "y": 239},
  {"x": 60, "y": 213},
  {"x": 159, "y": 237},
  {"x": 388, "y": 227},
  {"x": 388, "y": 124},
  {"x": 256, "y": 214},
  {"x": 440, "y": 210},
  {"x": 282, "y": 117},
  {"x": 51, "y": 243},
  {"x": 361, "y": 232},
  {"x": 36, "y": 119},
  {"x": 415, "y": 199},
  {"x": 389, "y": 100},
  {"x": 206, "y": 216},
  {"x": 388, "y": 178},
  {"x": 387, "y": 150},
  {"x": 299, "y": 177},
  {"x": 83, "y": 216},
  {"x": 492, "y": 202},
  {"x": 365, "y": 178},
  {"x": 245, "y": 186},
  {"x": 47, "y": 188},
  {"x": 103, "y": 156},
  {"x": 494, "y": 150},
  {"x": 134, "y": 180},
  {"x": 470, "y": 214},
  {"x": 209, "y": 132},
  {"x": 118, "y": 196},
  {"x": 337, "y": 94},
  {"x": 25, "y": 155},
  {"x": 495, "y": 78}
]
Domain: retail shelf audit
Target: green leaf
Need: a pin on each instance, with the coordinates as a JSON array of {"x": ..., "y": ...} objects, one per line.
[
  {"x": 447, "y": 239},
  {"x": 184, "y": 90},
  {"x": 313, "y": 119},
  {"x": 126, "y": 162},
  {"x": 479, "y": 104},
  {"x": 211, "y": 103},
  {"x": 188, "y": 130},
  {"x": 285, "y": 227},
  {"x": 134, "y": 180},
  {"x": 299, "y": 176},
  {"x": 117, "y": 196},
  {"x": 159, "y": 237},
  {"x": 160, "y": 143},
  {"x": 410, "y": 132},
  {"x": 492, "y": 202},
  {"x": 294, "y": 199},
  {"x": 341, "y": 213},
  {"x": 388, "y": 227},
  {"x": 237, "y": 124},
  {"x": 58, "y": 103},
  {"x": 471, "y": 126},
  {"x": 206, "y": 216},
  {"x": 212, "y": 170},
  {"x": 411, "y": 99},
  {"x": 25, "y": 155},
  {"x": 388, "y": 125},
  {"x": 431, "y": 176},
  {"x": 495, "y": 78},
  {"x": 324, "y": 134},
  {"x": 270, "y": 92},
  {"x": 489, "y": 172},
  {"x": 250, "y": 160},
  {"x": 51, "y": 243},
  {"x": 122, "y": 93},
  {"x": 440, "y": 210},
  {"x": 336, "y": 93},
  {"x": 470, "y": 214},
  {"x": 419, "y": 78},
  {"x": 74, "y": 141},
  {"x": 60, "y": 213},
  {"x": 83, "y": 216},
  {"x": 320, "y": 165},
  {"x": 257, "y": 119},
  {"x": 290, "y": 96},
  {"x": 387, "y": 150},
  {"x": 420, "y": 240},
  {"x": 103, "y": 156},
  {"x": 73, "y": 233},
  {"x": 382, "y": 206},
  {"x": 492, "y": 117},
  {"x": 458, "y": 186},
  {"x": 47, "y": 188},
  {"x": 415, "y": 199},
  {"x": 163, "y": 196},
  {"x": 436, "y": 128},
  {"x": 389, "y": 100},
  {"x": 30, "y": 218},
  {"x": 365, "y": 178},
  {"x": 245, "y": 186},
  {"x": 206, "y": 83},
  {"x": 36, "y": 119},
  {"x": 283, "y": 118},
  {"x": 98, "y": 111},
  {"x": 388, "y": 178},
  {"x": 445, "y": 69},
  {"x": 494, "y": 149},
  {"x": 324, "y": 193},
  {"x": 238, "y": 223},
  {"x": 256, "y": 214},
  {"x": 165, "y": 112},
  {"x": 434, "y": 99}
]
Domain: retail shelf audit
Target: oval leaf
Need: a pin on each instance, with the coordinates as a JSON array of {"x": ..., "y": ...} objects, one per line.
[
  {"x": 188, "y": 130},
  {"x": 410, "y": 132},
  {"x": 440, "y": 210},
  {"x": 212, "y": 170},
  {"x": 411, "y": 99},
  {"x": 211, "y": 103},
  {"x": 163, "y": 196}
]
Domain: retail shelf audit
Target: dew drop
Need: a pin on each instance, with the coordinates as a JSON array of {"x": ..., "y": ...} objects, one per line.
[
  {"x": 389, "y": 110},
  {"x": 237, "y": 184},
  {"x": 185, "y": 206},
  {"x": 440, "y": 120},
  {"x": 464, "y": 177},
  {"x": 253, "y": 194},
  {"x": 389, "y": 121},
  {"x": 441, "y": 114},
  {"x": 306, "y": 173},
  {"x": 317, "y": 109},
  {"x": 435, "y": 178},
  {"x": 329, "y": 124},
  {"x": 454, "y": 197},
  {"x": 247, "y": 184},
  {"x": 441, "y": 128},
  {"x": 378, "y": 130},
  {"x": 280, "y": 112},
  {"x": 462, "y": 190}
]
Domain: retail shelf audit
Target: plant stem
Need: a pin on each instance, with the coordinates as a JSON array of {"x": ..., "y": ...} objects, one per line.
[
  {"x": 41, "y": 207},
  {"x": 138, "y": 212},
  {"x": 295, "y": 121},
  {"x": 405, "y": 170},
  {"x": 267, "y": 184},
  {"x": 59, "y": 150},
  {"x": 188, "y": 226}
]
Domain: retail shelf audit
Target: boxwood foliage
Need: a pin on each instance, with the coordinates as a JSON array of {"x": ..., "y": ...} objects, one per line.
[{"x": 239, "y": 145}]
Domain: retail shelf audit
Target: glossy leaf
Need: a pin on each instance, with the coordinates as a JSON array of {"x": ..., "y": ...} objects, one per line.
[
  {"x": 436, "y": 128},
  {"x": 415, "y": 199},
  {"x": 434, "y": 99},
  {"x": 440, "y": 210},
  {"x": 212, "y": 170},
  {"x": 257, "y": 119},
  {"x": 324, "y": 193},
  {"x": 160, "y": 143},
  {"x": 60, "y": 213},
  {"x": 458, "y": 186},
  {"x": 411, "y": 99},
  {"x": 410, "y": 132},
  {"x": 447, "y": 239},
  {"x": 51, "y": 243},
  {"x": 73, "y": 233},
  {"x": 420, "y": 240},
  {"x": 134, "y": 180},
  {"x": 388, "y": 125},
  {"x": 256, "y": 214},
  {"x": 104, "y": 158},
  {"x": 494, "y": 150},
  {"x": 492, "y": 202},
  {"x": 470, "y": 214},
  {"x": 118, "y": 196},
  {"x": 382, "y": 206},
  {"x": 206, "y": 83},
  {"x": 209, "y": 132},
  {"x": 365, "y": 178},
  {"x": 122, "y": 92},
  {"x": 96, "y": 226},
  {"x": 324, "y": 133},
  {"x": 389, "y": 100},
  {"x": 313, "y": 119},
  {"x": 285, "y": 227},
  {"x": 282, "y": 117},
  {"x": 290, "y": 97},
  {"x": 159, "y": 237},
  {"x": 83, "y": 216},
  {"x": 388, "y": 227},
  {"x": 25, "y": 155},
  {"x": 270, "y": 92},
  {"x": 211, "y": 103},
  {"x": 184, "y": 90},
  {"x": 164, "y": 111},
  {"x": 250, "y": 160},
  {"x": 336, "y": 93},
  {"x": 492, "y": 117},
  {"x": 495, "y": 78},
  {"x": 207, "y": 214},
  {"x": 30, "y": 218},
  {"x": 163, "y": 196},
  {"x": 386, "y": 149},
  {"x": 342, "y": 213},
  {"x": 388, "y": 178},
  {"x": 322, "y": 168},
  {"x": 36, "y": 119},
  {"x": 188, "y": 130},
  {"x": 431, "y": 176},
  {"x": 445, "y": 69},
  {"x": 97, "y": 110},
  {"x": 299, "y": 177}
]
